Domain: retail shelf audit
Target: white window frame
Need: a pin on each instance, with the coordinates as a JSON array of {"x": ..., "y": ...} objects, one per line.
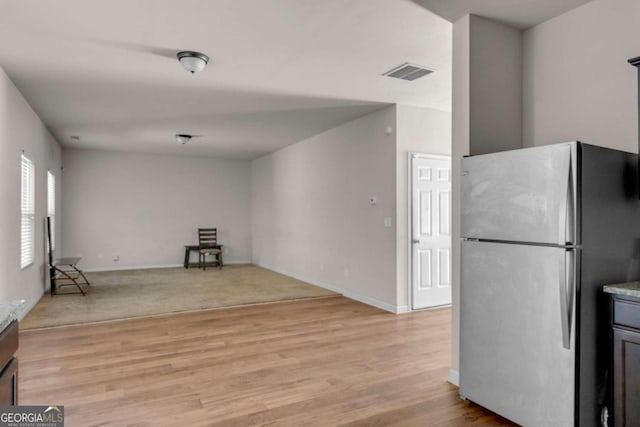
[
  {"x": 28, "y": 212},
  {"x": 51, "y": 206}
]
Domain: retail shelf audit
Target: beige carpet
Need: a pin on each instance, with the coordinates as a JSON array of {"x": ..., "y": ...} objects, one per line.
[{"x": 136, "y": 293}]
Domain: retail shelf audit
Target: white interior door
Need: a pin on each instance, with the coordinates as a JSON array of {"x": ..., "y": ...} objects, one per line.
[{"x": 430, "y": 230}]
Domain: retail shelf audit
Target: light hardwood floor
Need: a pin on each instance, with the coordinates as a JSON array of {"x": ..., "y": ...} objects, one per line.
[{"x": 322, "y": 362}]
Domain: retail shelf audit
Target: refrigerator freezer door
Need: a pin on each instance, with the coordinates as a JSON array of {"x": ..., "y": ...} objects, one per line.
[
  {"x": 513, "y": 359},
  {"x": 523, "y": 195}
]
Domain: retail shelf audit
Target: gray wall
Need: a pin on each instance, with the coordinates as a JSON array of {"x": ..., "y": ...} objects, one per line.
[
  {"x": 418, "y": 130},
  {"x": 311, "y": 216},
  {"x": 487, "y": 115},
  {"x": 495, "y": 82},
  {"x": 143, "y": 208},
  {"x": 577, "y": 82},
  {"x": 460, "y": 147},
  {"x": 576, "y": 85},
  {"x": 21, "y": 130}
]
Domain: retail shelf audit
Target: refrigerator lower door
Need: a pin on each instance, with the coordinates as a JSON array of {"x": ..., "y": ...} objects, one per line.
[
  {"x": 516, "y": 322},
  {"x": 525, "y": 195}
]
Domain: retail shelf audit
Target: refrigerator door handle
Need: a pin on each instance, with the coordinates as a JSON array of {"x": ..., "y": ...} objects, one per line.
[
  {"x": 567, "y": 290},
  {"x": 566, "y": 209}
]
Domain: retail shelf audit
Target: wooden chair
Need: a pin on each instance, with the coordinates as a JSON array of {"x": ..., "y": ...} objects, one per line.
[{"x": 208, "y": 245}]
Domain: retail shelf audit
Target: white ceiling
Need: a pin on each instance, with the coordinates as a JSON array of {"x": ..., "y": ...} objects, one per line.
[
  {"x": 281, "y": 70},
  {"x": 517, "y": 13}
]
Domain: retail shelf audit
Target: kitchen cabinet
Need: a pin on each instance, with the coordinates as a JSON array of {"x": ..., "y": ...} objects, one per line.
[
  {"x": 625, "y": 316},
  {"x": 9, "y": 365}
]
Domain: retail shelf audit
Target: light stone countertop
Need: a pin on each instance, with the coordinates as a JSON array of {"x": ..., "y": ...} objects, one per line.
[
  {"x": 630, "y": 288},
  {"x": 9, "y": 312}
]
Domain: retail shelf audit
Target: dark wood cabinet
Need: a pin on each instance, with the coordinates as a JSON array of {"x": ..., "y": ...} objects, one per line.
[
  {"x": 9, "y": 365},
  {"x": 626, "y": 360}
]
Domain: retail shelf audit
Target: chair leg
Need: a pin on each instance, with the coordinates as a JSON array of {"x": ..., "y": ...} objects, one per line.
[
  {"x": 59, "y": 274},
  {"x": 220, "y": 260}
]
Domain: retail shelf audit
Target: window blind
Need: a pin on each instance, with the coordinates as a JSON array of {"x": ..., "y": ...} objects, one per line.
[
  {"x": 28, "y": 210},
  {"x": 51, "y": 206}
]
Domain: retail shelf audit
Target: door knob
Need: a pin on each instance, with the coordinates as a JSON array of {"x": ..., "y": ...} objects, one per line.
[{"x": 416, "y": 241}]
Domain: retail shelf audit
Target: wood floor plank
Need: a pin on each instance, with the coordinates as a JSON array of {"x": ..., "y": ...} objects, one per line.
[{"x": 324, "y": 362}]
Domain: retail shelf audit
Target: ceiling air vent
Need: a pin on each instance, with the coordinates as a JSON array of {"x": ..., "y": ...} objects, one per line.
[{"x": 408, "y": 72}]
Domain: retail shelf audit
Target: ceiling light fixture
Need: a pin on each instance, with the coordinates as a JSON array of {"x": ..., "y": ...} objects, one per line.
[
  {"x": 192, "y": 61},
  {"x": 183, "y": 138}
]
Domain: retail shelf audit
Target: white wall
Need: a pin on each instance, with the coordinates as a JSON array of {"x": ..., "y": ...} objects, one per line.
[
  {"x": 311, "y": 216},
  {"x": 487, "y": 115},
  {"x": 21, "y": 129},
  {"x": 144, "y": 208},
  {"x": 418, "y": 130},
  {"x": 577, "y": 82}
]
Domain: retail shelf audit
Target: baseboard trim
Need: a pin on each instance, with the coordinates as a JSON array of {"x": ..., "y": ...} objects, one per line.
[
  {"x": 147, "y": 267},
  {"x": 346, "y": 292},
  {"x": 401, "y": 309},
  {"x": 132, "y": 267},
  {"x": 454, "y": 377},
  {"x": 29, "y": 306}
]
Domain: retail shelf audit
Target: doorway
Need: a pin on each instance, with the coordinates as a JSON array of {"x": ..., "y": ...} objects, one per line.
[{"x": 430, "y": 230}]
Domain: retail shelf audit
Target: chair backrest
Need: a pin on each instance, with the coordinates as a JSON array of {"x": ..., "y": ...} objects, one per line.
[
  {"x": 207, "y": 237},
  {"x": 49, "y": 241}
]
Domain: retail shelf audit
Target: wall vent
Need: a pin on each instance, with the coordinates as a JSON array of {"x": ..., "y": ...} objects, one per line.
[{"x": 408, "y": 72}]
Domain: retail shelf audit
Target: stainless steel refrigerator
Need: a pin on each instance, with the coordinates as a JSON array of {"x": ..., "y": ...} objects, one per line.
[{"x": 543, "y": 229}]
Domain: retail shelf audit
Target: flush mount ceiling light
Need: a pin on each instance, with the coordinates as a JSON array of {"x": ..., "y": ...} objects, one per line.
[
  {"x": 183, "y": 138},
  {"x": 192, "y": 61}
]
